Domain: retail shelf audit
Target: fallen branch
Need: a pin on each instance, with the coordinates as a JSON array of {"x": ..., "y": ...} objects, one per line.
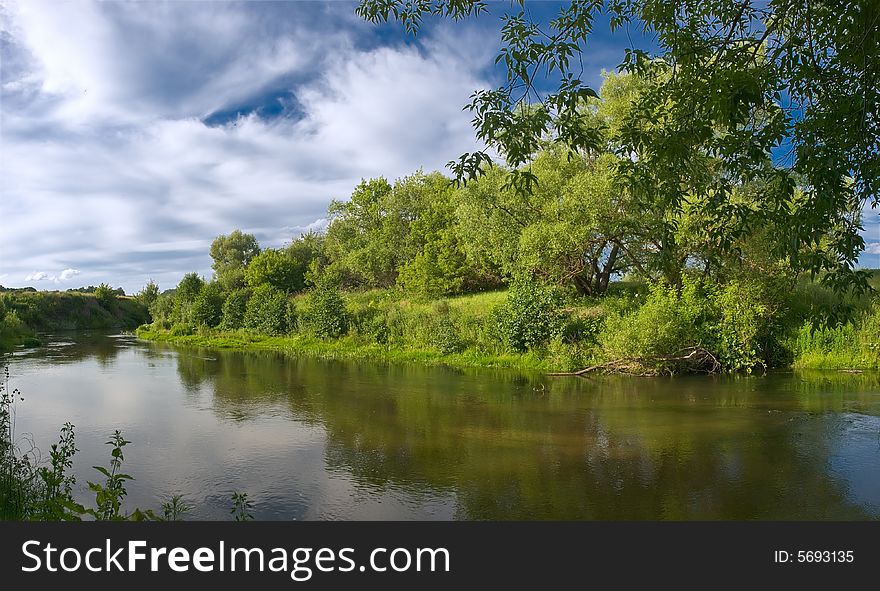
[{"x": 696, "y": 359}]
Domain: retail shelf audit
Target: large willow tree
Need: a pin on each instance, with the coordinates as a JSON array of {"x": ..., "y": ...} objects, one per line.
[{"x": 782, "y": 94}]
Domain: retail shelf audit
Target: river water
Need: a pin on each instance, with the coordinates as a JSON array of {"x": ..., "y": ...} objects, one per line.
[{"x": 315, "y": 439}]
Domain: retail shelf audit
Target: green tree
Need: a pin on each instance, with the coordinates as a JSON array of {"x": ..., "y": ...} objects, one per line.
[
  {"x": 354, "y": 243},
  {"x": 106, "y": 296},
  {"x": 308, "y": 253},
  {"x": 278, "y": 269},
  {"x": 148, "y": 294},
  {"x": 184, "y": 297},
  {"x": 748, "y": 76},
  {"x": 231, "y": 254},
  {"x": 267, "y": 311},
  {"x": 162, "y": 310},
  {"x": 207, "y": 307},
  {"x": 234, "y": 309}
]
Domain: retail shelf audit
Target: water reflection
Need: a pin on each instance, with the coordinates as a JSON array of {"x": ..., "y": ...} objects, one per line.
[{"x": 322, "y": 439}]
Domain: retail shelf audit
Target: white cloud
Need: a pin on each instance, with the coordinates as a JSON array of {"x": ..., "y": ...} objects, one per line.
[
  {"x": 873, "y": 248},
  {"x": 110, "y": 170},
  {"x": 68, "y": 274},
  {"x": 65, "y": 275}
]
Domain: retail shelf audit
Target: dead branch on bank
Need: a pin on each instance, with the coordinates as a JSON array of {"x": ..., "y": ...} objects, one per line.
[{"x": 687, "y": 360}]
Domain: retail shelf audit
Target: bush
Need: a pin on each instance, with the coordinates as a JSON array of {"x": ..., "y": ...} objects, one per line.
[
  {"x": 323, "y": 313},
  {"x": 207, "y": 307},
  {"x": 744, "y": 334},
  {"x": 531, "y": 316},
  {"x": 234, "y": 309},
  {"x": 266, "y": 311},
  {"x": 445, "y": 337},
  {"x": 666, "y": 323},
  {"x": 106, "y": 296},
  {"x": 161, "y": 310}
]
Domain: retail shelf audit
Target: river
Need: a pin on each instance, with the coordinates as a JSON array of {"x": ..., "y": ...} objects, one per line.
[{"x": 317, "y": 439}]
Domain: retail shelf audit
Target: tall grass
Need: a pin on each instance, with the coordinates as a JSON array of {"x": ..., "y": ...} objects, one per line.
[{"x": 852, "y": 345}]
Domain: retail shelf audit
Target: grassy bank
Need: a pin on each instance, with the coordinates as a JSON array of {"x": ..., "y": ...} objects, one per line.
[
  {"x": 25, "y": 313},
  {"x": 384, "y": 327},
  {"x": 488, "y": 330}
]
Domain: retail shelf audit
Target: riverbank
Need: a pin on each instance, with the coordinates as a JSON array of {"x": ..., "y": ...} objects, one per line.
[
  {"x": 346, "y": 348},
  {"x": 24, "y": 313},
  {"x": 633, "y": 323}
]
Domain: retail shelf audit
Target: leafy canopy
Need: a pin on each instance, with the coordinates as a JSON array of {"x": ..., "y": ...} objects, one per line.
[{"x": 734, "y": 80}]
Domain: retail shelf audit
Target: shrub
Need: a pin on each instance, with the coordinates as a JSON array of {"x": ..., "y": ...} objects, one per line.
[
  {"x": 106, "y": 296},
  {"x": 371, "y": 323},
  {"x": 323, "y": 313},
  {"x": 664, "y": 324},
  {"x": 148, "y": 294},
  {"x": 744, "y": 335},
  {"x": 207, "y": 308},
  {"x": 161, "y": 310},
  {"x": 234, "y": 309},
  {"x": 445, "y": 337},
  {"x": 266, "y": 311},
  {"x": 531, "y": 315}
]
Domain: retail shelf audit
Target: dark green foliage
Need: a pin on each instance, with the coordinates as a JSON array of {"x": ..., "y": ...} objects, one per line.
[
  {"x": 109, "y": 496},
  {"x": 278, "y": 269},
  {"x": 266, "y": 311},
  {"x": 207, "y": 308},
  {"x": 531, "y": 316},
  {"x": 12, "y": 330},
  {"x": 148, "y": 295},
  {"x": 234, "y": 309},
  {"x": 57, "y": 483},
  {"x": 323, "y": 313},
  {"x": 242, "y": 507},
  {"x": 446, "y": 338},
  {"x": 175, "y": 508},
  {"x": 105, "y": 296},
  {"x": 185, "y": 296},
  {"x": 740, "y": 322},
  {"x": 357, "y": 244},
  {"x": 722, "y": 82},
  {"x": 308, "y": 253}
]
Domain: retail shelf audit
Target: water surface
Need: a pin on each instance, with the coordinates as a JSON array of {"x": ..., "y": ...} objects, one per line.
[{"x": 312, "y": 439}]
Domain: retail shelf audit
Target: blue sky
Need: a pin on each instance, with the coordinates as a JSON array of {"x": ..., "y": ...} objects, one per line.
[{"x": 132, "y": 134}]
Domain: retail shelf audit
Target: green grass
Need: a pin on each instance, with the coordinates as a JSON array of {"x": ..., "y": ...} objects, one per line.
[
  {"x": 347, "y": 348},
  {"x": 390, "y": 326}
]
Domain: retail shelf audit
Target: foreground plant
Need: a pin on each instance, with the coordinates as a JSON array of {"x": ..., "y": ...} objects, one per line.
[{"x": 29, "y": 491}]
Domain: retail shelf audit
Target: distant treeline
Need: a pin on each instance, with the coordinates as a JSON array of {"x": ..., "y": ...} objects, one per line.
[{"x": 90, "y": 289}]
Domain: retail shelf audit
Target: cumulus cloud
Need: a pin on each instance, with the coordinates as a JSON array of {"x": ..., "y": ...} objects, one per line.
[
  {"x": 873, "y": 248},
  {"x": 116, "y": 161},
  {"x": 68, "y": 274},
  {"x": 65, "y": 275}
]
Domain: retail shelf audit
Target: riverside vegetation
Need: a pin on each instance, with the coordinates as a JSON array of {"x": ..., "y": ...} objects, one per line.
[
  {"x": 25, "y": 312},
  {"x": 581, "y": 269},
  {"x": 578, "y": 275},
  {"x": 649, "y": 231}
]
